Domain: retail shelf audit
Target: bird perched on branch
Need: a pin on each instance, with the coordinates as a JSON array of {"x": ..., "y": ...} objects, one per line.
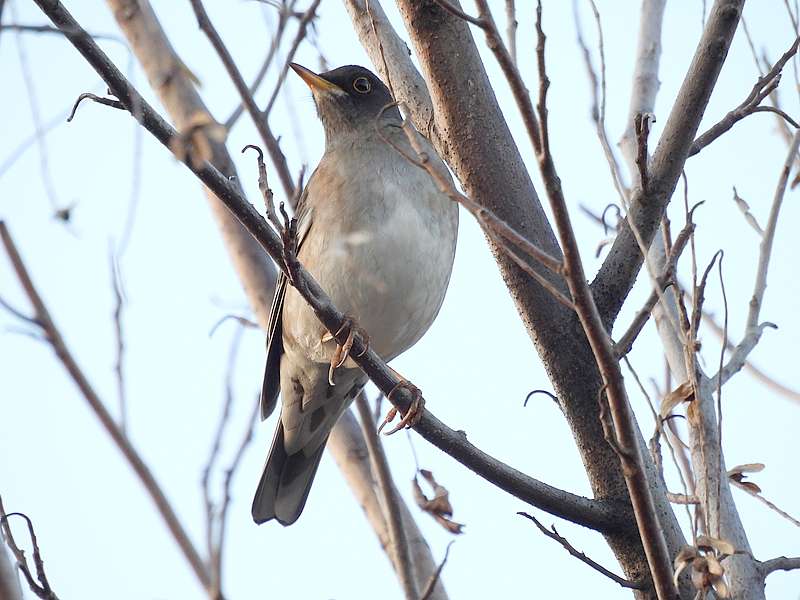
[{"x": 377, "y": 234}]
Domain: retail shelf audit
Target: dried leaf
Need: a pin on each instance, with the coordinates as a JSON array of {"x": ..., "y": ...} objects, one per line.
[
  {"x": 746, "y": 468},
  {"x": 684, "y": 558},
  {"x": 748, "y": 216},
  {"x": 700, "y": 578},
  {"x": 714, "y": 567},
  {"x": 751, "y": 487},
  {"x": 439, "y": 506},
  {"x": 706, "y": 542},
  {"x": 721, "y": 588},
  {"x": 683, "y": 393}
]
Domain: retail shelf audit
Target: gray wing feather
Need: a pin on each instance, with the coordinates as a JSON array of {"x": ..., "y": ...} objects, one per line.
[{"x": 271, "y": 386}]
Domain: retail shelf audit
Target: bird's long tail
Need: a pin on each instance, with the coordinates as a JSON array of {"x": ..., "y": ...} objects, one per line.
[{"x": 285, "y": 483}]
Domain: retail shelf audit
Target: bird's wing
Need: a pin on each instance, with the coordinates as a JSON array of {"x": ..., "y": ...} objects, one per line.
[{"x": 272, "y": 376}]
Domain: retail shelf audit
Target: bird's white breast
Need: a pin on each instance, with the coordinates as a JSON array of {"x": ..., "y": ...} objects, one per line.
[{"x": 381, "y": 243}]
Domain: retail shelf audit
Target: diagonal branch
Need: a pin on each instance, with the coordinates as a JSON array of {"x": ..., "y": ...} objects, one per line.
[
  {"x": 620, "y": 268},
  {"x": 125, "y": 446},
  {"x": 763, "y": 87},
  {"x": 554, "y": 535},
  {"x": 754, "y": 329}
]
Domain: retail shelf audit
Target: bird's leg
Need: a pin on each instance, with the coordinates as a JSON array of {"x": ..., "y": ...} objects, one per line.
[
  {"x": 343, "y": 350},
  {"x": 415, "y": 409}
]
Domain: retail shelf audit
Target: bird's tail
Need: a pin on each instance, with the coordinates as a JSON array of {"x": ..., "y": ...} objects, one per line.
[{"x": 285, "y": 483}]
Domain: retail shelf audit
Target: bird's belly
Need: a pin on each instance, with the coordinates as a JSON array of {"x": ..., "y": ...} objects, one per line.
[{"x": 392, "y": 281}]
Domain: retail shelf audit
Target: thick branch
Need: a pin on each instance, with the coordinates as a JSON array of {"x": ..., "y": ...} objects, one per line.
[{"x": 620, "y": 268}]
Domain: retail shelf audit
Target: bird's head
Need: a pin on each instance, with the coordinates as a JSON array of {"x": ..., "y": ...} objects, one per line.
[{"x": 348, "y": 99}]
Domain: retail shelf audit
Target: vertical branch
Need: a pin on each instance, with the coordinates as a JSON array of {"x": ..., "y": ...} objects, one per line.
[{"x": 380, "y": 467}]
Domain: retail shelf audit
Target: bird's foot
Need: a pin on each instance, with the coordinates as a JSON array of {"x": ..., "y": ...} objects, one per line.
[
  {"x": 342, "y": 351},
  {"x": 414, "y": 412}
]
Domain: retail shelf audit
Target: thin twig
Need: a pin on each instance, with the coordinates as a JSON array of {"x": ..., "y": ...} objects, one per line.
[
  {"x": 436, "y": 574},
  {"x": 771, "y": 505},
  {"x": 634, "y": 329},
  {"x": 765, "y": 85},
  {"x": 119, "y": 337},
  {"x": 754, "y": 329},
  {"x": 283, "y": 19},
  {"x": 302, "y": 26},
  {"x": 125, "y": 446},
  {"x": 554, "y": 535},
  {"x": 40, "y": 584},
  {"x": 273, "y": 147}
]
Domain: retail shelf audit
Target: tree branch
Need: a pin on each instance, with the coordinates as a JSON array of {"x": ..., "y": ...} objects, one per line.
[
  {"x": 122, "y": 442},
  {"x": 762, "y": 88},
  {"x": 620, "y": 268},
  {"x": 273, "y": 148},
  {"x": 754, "y": 329},
  {"x": 554, "y": 535},
  {"x": 394, "y": 518}
]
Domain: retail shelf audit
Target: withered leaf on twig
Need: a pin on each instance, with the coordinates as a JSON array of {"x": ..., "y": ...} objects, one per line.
[
  {"x": 739, "y": 473},
  {"x": 683, "y": 393},
  {"x": 439, "y": 506}
]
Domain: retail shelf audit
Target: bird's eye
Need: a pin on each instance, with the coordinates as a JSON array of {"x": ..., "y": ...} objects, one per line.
[{"x": 362, "y": 85}]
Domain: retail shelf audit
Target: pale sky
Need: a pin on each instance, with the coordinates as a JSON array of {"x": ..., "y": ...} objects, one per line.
[{"x": 99, "y": 533}]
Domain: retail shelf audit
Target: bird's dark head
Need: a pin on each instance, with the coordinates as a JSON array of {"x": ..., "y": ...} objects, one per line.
[{"x": 348, "y": 99}]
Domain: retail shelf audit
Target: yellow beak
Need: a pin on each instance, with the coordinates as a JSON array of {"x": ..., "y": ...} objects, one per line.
[{"x": 314, "y": 81}]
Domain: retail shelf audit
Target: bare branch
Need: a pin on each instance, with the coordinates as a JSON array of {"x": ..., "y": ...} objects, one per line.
[
  {"x": 39, "y": 584},
  {"x": 762, "y": 88},
  {"x": 554, "y": 535},
  {"x": 620, "y": 268},
  {"x": 782, "y": 563},
  {"x": 275, "y": 152},
  {"x": 380, "y": 466},
  {"x": 754, "y": 329},
  {"x": 125, "y": 446}
]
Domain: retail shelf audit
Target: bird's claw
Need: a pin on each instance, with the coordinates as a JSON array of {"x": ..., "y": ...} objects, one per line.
[
  {"x": 342, "y": 351},
  {"x": 414, "y": 412}
]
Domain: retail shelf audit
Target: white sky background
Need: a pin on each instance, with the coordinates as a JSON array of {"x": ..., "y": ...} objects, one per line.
[{"x": 98, "y": 530}]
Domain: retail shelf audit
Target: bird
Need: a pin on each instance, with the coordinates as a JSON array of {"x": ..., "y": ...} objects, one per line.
[{"x": 379, "y": 236}]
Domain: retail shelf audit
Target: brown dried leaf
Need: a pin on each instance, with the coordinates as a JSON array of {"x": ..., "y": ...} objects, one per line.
[
  {"x": 684, "y": 558},
  {"x": 439, "y": 506},
  {"x": 746, "y": 468},
  {"x": 751, "y": 487},
  {"x": 724, "y": 547},
  {"x": 682, "y": 393},
  {"x": 721, "y": 588},
  {"x": 714, "y": 567}
]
